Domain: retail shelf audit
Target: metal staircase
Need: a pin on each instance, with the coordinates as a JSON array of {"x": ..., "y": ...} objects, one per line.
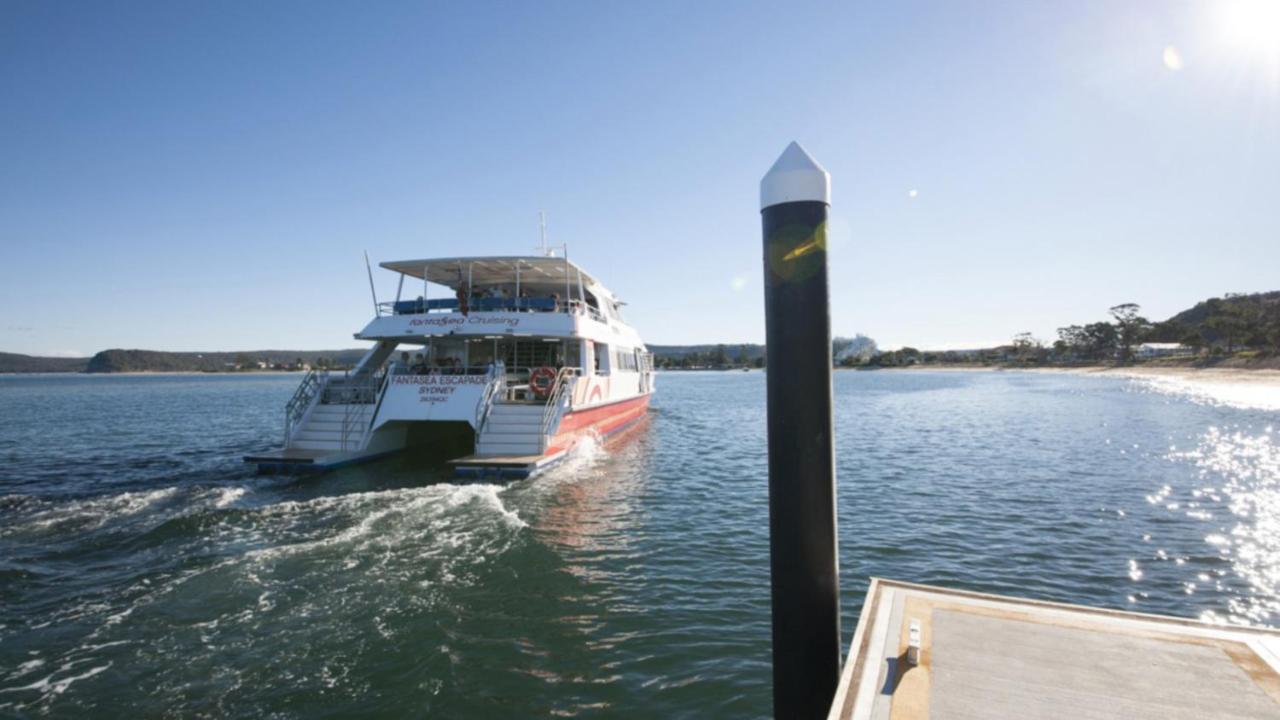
[
  {"x": 333, "y": 413},
  {"x": 512, "y": 429},
  {"x": 520, "y": 428},
  {"x": 323, "y": 427}
]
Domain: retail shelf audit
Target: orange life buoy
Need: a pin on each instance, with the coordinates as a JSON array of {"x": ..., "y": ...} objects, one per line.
[{"x": 541, "y": 380}]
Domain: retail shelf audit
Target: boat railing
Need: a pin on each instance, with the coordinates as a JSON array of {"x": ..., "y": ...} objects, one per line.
[
  {"x": 591, "y": 311},
  {"x": 646, "y": 372},
  {"x": 557, "y": 401},
  {"x": 492, "y": 304},
  {"x": 350, "y": 389},
  {"x": 495, "y": 386},
  {"x": 360, "y": 393},
  {"x": 312, "y": 385}
]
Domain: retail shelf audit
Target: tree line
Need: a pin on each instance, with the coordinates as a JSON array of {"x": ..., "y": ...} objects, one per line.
[
  {"x": 1217, "y": 327},
  {"x": 718, "y": 357}
]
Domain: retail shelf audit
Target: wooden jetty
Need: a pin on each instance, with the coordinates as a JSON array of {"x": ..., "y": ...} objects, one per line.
[{"x": 928, "y": 652}]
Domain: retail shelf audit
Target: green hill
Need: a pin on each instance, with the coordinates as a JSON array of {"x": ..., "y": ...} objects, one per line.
[
  {"x": 1233, "y": 320},
  {"x": 116, "y": 360},
  {"x": 15, "y": 363},
  {"x": 1206, "y": 310}
]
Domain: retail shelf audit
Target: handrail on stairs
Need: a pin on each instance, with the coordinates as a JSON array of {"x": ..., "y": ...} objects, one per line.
[
  {"x": 357, "y": 394},
  {"x": 312, "y": 384},
  {"x": 495, "y": 384},
  {"x": 555, "y": 400},
  {"x": 382, "y": 393}
]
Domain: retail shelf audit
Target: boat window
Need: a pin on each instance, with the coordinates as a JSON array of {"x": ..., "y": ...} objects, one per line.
[
  {"x": 444, "y": 355},
  {"x": 625, "y": 359},
  {"x": 602, "y": 360},
  {"x": 529, "y": 353},
  {"x": 573, "y": 354},
  {"x": 480, "y": 353}
]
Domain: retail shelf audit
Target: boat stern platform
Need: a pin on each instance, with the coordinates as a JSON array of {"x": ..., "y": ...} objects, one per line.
[
  {"x": 504, "y": 467},
  {"x": 302, "y": 461}
]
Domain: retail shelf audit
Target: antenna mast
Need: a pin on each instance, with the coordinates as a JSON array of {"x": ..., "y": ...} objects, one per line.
[
  {"x": 543, "y": 250},
  {"x": 374, "y": 293}
]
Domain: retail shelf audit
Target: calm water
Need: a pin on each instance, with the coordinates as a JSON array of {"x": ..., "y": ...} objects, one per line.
[{"x": 145, "y": 571}]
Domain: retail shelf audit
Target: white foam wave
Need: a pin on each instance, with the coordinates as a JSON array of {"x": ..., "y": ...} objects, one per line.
[
  {"x": 227, "y": 496},
  {"x": 90, "y": 513},
  {"x": 388, "y": 517},
  {"x": 48, "y": 686},
  {"x": 487, "y": 495},
  {"x": 583, "y": 456},
  {"x": 93, "y": 513},
  {"x": 27, "y": 667}
]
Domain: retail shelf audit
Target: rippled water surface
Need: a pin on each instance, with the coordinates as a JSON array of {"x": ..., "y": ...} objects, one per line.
[{"x": 144, "y": 571}]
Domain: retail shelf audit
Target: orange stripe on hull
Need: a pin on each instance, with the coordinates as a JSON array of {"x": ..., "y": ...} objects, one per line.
[{"x": 600, "y": 421}]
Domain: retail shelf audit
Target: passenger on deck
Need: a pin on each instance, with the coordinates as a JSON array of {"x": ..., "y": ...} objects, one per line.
[
  {"x": 402, "y": 367},
  {"x": 503, "y": 296},
  {"x": 463, "y": 300}
]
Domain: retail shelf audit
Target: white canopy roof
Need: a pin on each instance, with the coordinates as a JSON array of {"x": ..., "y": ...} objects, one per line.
[{"x": 453, "y": 272}]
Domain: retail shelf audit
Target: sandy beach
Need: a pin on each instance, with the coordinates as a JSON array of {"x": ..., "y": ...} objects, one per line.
[{"x": 1262, "y": 377}]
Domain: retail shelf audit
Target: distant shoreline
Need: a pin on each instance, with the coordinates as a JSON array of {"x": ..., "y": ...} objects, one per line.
[
  {"x": 1258, "y": 377},
  {"x": 1268, "y": 377},
  {"x": 133, "y": 373}
]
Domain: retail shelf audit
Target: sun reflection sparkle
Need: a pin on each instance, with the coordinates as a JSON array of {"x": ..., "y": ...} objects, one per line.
[{"x": 1244, "y": 469}]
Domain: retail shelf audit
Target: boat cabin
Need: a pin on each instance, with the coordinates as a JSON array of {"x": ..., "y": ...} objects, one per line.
[{"x": 534, "y": 317}]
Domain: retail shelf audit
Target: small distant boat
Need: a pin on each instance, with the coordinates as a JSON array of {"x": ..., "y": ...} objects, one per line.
[{"x": 526, "y": 355}]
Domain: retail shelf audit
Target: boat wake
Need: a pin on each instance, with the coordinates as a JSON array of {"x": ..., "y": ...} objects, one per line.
[
  {"x": 232, "y": 569},
  {"x": 446, "y": 512},
  {"x": 585, "y": 454}
]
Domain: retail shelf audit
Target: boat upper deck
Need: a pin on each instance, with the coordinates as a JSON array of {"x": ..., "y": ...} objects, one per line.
[
  {"x": 537, "y": 284},
  {"x": 458, "y": 272},
  {"x": 985, "y": 656}
]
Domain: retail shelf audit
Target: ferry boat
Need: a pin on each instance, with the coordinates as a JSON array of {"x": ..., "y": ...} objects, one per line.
[{"x": 520, "y": 359}]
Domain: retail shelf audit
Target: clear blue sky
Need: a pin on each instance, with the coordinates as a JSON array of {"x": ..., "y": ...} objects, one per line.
[{"x": 200, "y": 176}]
